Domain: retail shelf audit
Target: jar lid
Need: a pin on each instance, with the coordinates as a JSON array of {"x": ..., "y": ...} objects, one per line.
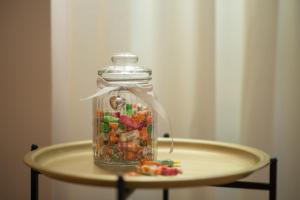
[{"x": 125, "y": 68}]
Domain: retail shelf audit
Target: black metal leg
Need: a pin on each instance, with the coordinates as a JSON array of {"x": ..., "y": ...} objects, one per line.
[
  {"x": 34, "y": 180},
  {"x": 271, "y": 186},
  {"x": 121, "y": 192},
  {"x": 165, "y": 194},
  {"x": 273, "y": 179}
]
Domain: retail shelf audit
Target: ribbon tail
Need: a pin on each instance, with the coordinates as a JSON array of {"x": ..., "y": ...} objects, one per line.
[
  {"x": 151, "y": 100},
  {"x": 100, "y": 92}
]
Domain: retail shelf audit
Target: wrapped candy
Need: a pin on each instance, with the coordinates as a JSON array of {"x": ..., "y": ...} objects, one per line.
[
  {"x": 170, "y": 163},
  {"x": 108, "y": 118},
  {"x": 113, "y": 125},
  {"x": 154, "y": 169},
  {"x": 129, "y": 122},
  {"x": 170, "y": 171},
  {"x": 130, "y": 135},
  {"x": 113, "y": 138},
  {"x": 128, "y": 146}
]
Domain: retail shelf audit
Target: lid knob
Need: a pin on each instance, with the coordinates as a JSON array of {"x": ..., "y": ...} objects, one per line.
[{"x": 124, "y": 59}]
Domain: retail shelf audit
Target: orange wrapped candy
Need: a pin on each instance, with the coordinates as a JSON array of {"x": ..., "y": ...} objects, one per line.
[
  {"x": 113, "y": 125},
  {"x": 129, "y": 156},
  {"x": 143, "y": 133},
  {"x": 113, "y": 138},
  {"x": 140, "y": 116}
]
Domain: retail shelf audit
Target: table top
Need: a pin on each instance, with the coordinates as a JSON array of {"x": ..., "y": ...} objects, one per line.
[{"x": 203, "y": 163}]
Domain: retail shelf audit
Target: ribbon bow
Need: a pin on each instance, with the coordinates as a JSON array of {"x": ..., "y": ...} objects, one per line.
[{"x": 142, "y": 90}]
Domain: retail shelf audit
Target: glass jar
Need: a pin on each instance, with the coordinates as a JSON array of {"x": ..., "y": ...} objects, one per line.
[{"x": 124, "y": 124}]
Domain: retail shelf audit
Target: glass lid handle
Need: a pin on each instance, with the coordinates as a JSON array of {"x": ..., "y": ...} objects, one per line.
[{"x": 124, "y": 59}]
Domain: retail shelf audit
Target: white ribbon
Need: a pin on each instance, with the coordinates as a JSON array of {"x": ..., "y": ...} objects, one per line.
[{"x": 143, "y": 91}]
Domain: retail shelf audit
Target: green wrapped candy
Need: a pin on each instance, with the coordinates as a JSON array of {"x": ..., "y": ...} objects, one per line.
[
  {"x": 104, "y": 127},
  {"x": 122, "y": 126},
  {"x": 108, "y": 119},
  {"x": 149, "y": 129},
  {"x": 128, "y": 107},
  {"x": 129, "y": 110}
]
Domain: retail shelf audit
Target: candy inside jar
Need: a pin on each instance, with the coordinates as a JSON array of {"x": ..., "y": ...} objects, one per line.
[{"x": 124, "y": 134}]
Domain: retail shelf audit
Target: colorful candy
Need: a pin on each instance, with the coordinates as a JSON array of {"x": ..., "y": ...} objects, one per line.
[
  {"x": 150, "y": 170},
  {"x": 170, "y": 171},
  {"x": 104, "y": 127},
  {"x": 153, "y": 170},
  {"x": 113, "y": 138},
  {"x": 108, "y": 119},
  {"x": 170, "y": 163},
  {"x": 124, "y": 135},
  {"x": 113, "y": 125}
]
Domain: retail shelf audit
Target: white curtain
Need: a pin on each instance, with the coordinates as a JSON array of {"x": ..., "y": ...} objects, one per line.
[{"x": 224, "y": 70}]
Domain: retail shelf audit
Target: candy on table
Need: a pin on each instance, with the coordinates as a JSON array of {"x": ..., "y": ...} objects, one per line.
[
  {"x": 150, "y": 170},
  {"x": 150, "y": 162},
  {"x": 153, "y": 170},
  {"x": 167, "y": 162},
  {"x": 150, "y": 167},
  {"x": 170, "y": 163},
  {"x": 170, "y": 171}
]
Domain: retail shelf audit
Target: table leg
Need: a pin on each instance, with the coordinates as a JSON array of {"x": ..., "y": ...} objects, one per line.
[
  {"x": 273, "y": 179},
  {"x": 165, "y": 194},
  {"x": 121, "y": 191},
  {"x": 34, "y": 180}
]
